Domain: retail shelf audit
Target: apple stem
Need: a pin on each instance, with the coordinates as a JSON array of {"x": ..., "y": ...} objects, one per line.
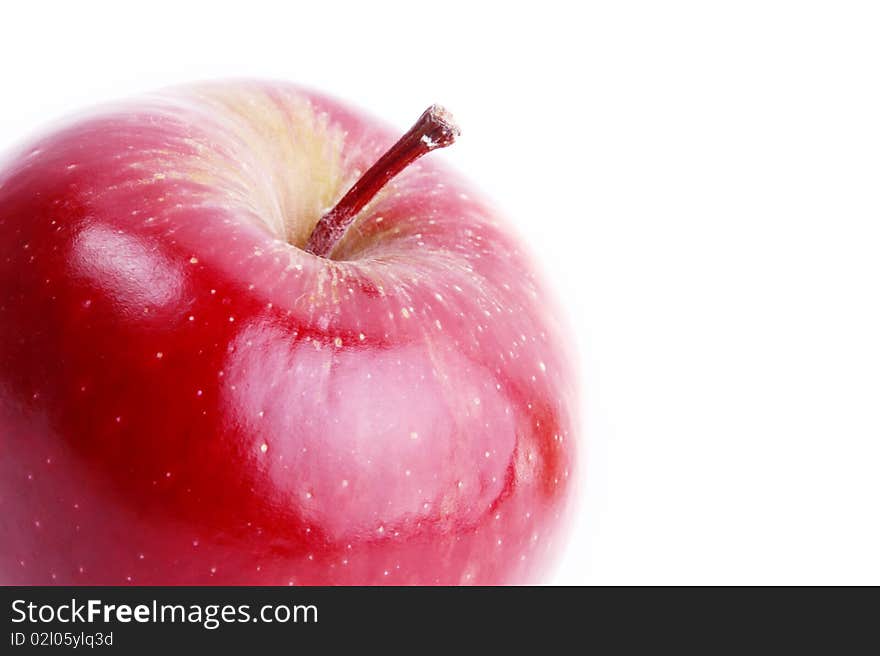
[{"x": 434, "y": 129}]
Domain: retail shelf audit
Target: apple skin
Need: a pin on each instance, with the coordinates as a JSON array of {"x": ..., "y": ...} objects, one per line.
[{"x": 188, "y": 397}]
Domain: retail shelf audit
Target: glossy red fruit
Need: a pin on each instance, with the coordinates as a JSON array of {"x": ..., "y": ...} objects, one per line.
[{"x": 188, "y": 397}]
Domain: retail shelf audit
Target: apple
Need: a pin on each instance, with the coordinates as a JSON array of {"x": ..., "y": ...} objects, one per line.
[{"x": 207, "y": 377}]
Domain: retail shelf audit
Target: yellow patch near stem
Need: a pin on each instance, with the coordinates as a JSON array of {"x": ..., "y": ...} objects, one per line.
[{"x": 284, "y": 154}]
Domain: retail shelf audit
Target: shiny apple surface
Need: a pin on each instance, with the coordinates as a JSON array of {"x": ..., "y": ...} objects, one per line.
[{"x": 188, "y": 397}]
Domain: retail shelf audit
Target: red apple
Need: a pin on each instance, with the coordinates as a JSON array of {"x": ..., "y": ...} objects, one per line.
[{"x": 188, "y": 395}]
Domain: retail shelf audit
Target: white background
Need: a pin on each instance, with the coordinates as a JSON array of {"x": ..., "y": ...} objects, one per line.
[{"x": 702, "y": 183}]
